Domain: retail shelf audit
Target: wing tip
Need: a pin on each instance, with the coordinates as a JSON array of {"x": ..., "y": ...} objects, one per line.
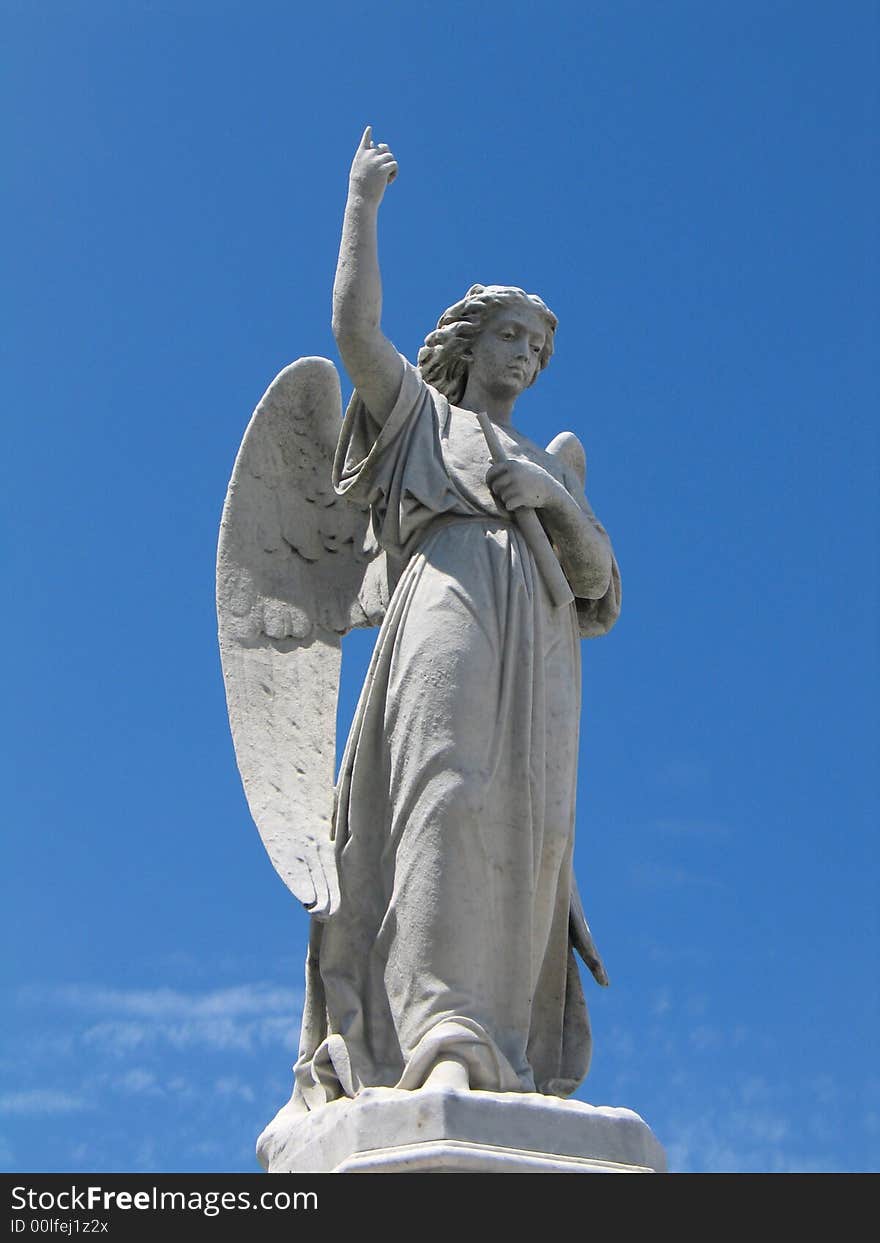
[{"x": 568, "y": 447}]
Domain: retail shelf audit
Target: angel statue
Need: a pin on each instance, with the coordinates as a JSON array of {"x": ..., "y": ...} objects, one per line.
[{"x": 438, "y": 868}]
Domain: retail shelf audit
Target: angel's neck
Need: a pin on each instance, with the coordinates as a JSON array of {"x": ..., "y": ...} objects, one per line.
[{"x": 498, "y": 406}]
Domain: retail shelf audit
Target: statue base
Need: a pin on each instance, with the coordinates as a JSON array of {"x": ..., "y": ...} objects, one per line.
[{"x": 441, "y": 1130}]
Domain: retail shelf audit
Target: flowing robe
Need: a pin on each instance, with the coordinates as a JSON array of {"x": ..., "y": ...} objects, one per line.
[{"x": 455, "y": 803}]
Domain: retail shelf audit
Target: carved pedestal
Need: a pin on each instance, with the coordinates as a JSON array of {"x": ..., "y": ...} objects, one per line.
[{"x": 439, "y": 1130}]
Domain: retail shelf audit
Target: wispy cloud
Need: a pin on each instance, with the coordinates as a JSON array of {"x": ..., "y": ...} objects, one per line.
[
  {"x": 168, "y": 1003},
  {"x": 41, "y": 1101},
  {"x": 230, "y": 1086},
  {"x": 680, "y": 1075},
  {"x": 223, "y": 1034},
  {"x": 648, "y": 874},
  {"x": 127, "y": 1021},
  {"x": 705, "y": 1037},
  {"x": 140, "y": 1082},
  {"x": 731, "y": 1141},
  {"x": 185, "y": 1063}
]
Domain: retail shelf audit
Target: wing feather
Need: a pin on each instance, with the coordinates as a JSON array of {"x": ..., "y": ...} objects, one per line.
[{"x": 291, "y": 567}]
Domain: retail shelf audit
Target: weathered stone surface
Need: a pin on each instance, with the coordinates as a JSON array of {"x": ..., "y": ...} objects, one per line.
[{"x": 438, "y": 872}]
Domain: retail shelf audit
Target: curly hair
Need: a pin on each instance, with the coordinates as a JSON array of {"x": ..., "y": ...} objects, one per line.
[{"x": 442, "y": 359}]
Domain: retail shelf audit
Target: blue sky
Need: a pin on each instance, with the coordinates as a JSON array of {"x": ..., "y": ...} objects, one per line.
[{"x": 692, "y": 186}]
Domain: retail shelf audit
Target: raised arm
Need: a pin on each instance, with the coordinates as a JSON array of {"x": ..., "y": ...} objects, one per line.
[{"x": 373, "y": 364}]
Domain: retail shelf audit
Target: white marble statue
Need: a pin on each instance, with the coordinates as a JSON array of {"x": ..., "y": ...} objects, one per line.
[{"x": 438, "y": 873}]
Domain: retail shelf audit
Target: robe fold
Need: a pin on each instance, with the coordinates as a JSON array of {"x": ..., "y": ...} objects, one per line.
[{"x": 455, "y": 804}]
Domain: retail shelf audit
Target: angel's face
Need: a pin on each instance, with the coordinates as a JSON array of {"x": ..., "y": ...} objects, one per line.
[{"x": 506, "y": 356}]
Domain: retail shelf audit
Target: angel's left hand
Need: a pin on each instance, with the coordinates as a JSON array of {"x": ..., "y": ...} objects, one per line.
[{"x": 519, "y": 485}]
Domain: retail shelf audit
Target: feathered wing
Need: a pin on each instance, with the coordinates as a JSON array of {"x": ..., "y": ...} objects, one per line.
[
  {"x": 595, "y": 617},
  {"x": 293, "y": 576}
]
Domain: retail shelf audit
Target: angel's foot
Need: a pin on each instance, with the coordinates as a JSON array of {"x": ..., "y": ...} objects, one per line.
[{"x": 450, "y": 1072}]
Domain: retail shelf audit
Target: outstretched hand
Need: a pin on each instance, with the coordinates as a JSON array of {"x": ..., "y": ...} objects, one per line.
[{"x": 372, "y": 169}]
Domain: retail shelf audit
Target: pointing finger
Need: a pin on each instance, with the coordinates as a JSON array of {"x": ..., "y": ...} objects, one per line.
[{"x": 367, "y": 139}]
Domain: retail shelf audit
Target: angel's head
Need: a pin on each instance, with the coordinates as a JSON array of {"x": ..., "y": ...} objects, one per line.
[{"x": 498, "y": 327}]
